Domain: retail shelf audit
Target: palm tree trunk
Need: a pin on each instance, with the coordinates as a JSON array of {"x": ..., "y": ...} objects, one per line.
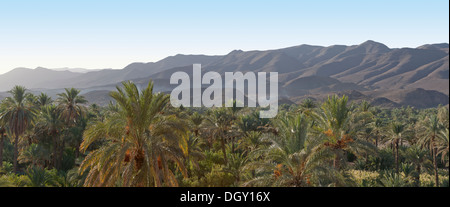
[
  {"x": 393, "y": 149},
  {"x": 156, "y": 176},
  {"x": 223, "y": 150},
  {"x": 232, "y": 145},
  {"x": 61, "y": 153},
  {"x": 209, "y": 140},
  {"x": 196, "y": 132},
  {"x": 434, "y": 151},
  {"x": 396, "y": 156},
  {"x": 336, "y": 161},
  {"x": 1, "y": 149},
  {"x": 16, "y": 153},
  {"x": 188, "y": 160},
  {"x": 77, "y": 151},
  {"x": 417, "y": 178},
  {"x": 55, "y": 152}
]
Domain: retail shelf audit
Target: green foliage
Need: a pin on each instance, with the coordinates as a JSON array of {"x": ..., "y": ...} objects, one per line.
[
  {"x": 392, "y": 179},
  {"x": 7, "y": 168},
  {"x": 217, "y": 177},
  {"x": 445, "y": 183},
  {"x": 140, "y": 140},
  {"x": 39, "y": 177}
]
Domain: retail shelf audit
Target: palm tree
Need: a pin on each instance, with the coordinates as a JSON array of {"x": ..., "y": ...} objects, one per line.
[
  {"x": 253, "y": 141},
  {"x": 396, "y": 129},
  {"x": 95, "y": 111},
  {"x": 234, "y": 132},
  {"x": 140, "y": 140},
  {"x": 43, "y": 100},
  {"x": 2, "y": 142},
  {"x": 392, "y": 179},
  {"x": 432, "y": 128},
  {"x": 364, "y": 106},
  {"x": 443, "y": 145},
  {"x": 50, "y": 124},
  {"x": 335, "y": 127},
  {"x": 71, "y": 106},
  {"x": 18, "y": 115},
  {"x": 36, "y": 154},
  {"x": 308, "y": 104},
  {"x": 193, "y": 151},
  {"x": 294, "y": 159},
  {"x": 443, "y": 116},
  {"x": 334, "y": 120},
  {"x": 378, "y": 127},
  {"x": 196, "y": 121},
  {"x": 237, "y": 166},
  {"x": 219, "y": 123},
  {"x": 38, "y": 177},
  {"x": 419, "y": 158}
]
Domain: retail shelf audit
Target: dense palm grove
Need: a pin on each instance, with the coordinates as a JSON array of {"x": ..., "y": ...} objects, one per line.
[{"x": 140, "y": 140}]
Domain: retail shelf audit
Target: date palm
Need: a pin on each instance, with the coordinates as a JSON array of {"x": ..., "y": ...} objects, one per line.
[
  {"x": 193, "y": 152},
  {"x": 196, "y": 121},
  {"x": 443, "y": 116},
  {"x": 237, "y": 166},
  {"x": 395, "y": 131},
  {"x": 2, "y": 142},
  {"x": 308, "y": 104},
  {"x": 43, "y": 100},
  {"x": 50, "y": 124},
  {"x": 35, "y": 154},
  {"x": 419, "y": 157},
  {"x": 378, "y": 128},
  {"x": 70, "y": 103},
  {"x": 336, "y": 128},
  {"x": 432, "y": 128},
  {"x": 18, "y": 114},
  {"x": 219, "y": 124},
  {"x": 443, "y": 146},
  {"x": 293, "y": 159},
  {"x": 253, "y": 141},
  {"x": 139, "y": 140}
]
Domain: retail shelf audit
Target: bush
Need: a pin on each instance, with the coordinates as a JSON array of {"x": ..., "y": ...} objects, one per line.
[
  {"x": 5, "y": 181},
  {"x": 7, "y": 168},
  {"x": 364, "y": 178},
  {"x": 216, "y": 178},
  {"x": 38, "y": 177},
  {"x": 392, "y": 179}
]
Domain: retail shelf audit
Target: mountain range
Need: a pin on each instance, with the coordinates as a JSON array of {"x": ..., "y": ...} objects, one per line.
[{"x": 372, "y": 71}]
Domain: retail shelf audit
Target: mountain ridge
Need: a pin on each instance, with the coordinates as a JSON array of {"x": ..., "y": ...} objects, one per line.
[{"x": 369, "y": 66}]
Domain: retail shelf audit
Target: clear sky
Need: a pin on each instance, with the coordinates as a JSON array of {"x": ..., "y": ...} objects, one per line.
[{"x": 111, "y": 33}]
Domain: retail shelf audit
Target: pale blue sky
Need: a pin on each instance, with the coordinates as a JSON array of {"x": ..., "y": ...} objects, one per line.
[{"x": 112, "y": 33}]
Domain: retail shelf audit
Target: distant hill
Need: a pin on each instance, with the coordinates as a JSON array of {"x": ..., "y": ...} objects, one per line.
[
  {"x": 388, "y": 77},
  {"x": 75, "y": 70},
  {"x": 34, "y": 78}
]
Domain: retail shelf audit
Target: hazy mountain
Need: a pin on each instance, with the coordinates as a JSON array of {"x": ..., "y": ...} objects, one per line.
[
  {"x": 75, "y": 70},
  {"x": 388, "y": 77},
  {"x": 34, "y": 78},
  {"x": 61, "y": 78}
]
